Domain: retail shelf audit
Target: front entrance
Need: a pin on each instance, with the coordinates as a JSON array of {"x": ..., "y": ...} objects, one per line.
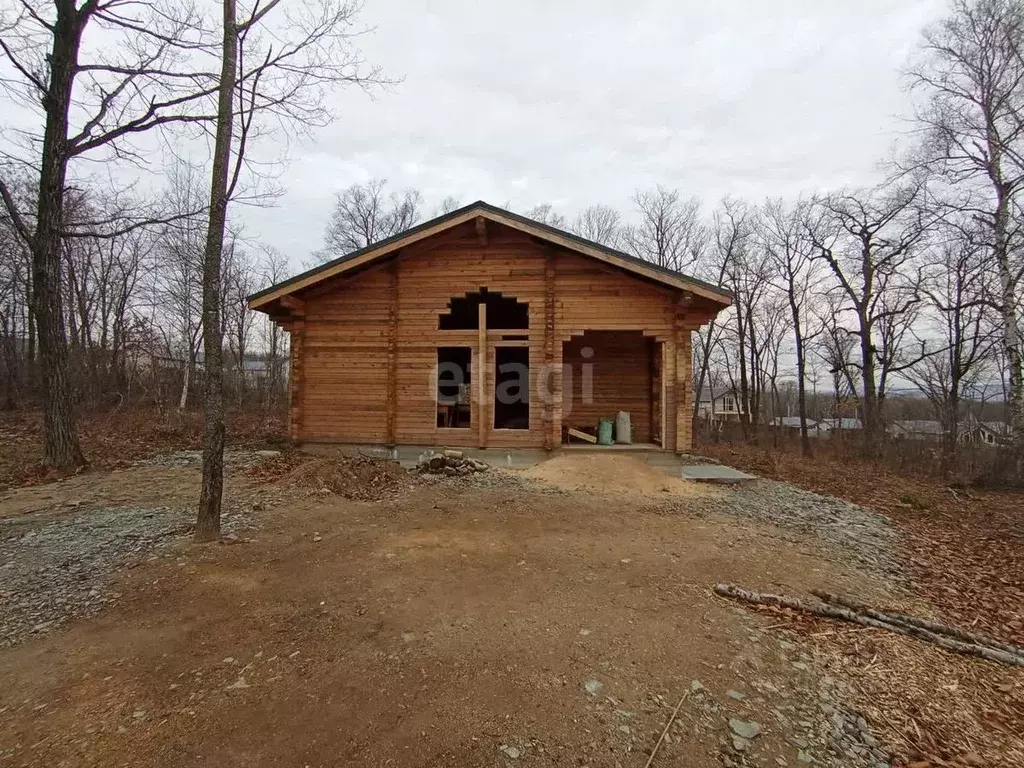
[
  {"x": 511, "y": 388},
  {"x": 608, "y": 372}
]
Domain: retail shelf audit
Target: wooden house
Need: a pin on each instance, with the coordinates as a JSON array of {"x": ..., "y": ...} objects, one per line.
[{"x": 485, "y": 329}]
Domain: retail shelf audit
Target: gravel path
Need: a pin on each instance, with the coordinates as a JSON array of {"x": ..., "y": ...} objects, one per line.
[
  {"x": 860, "y": 534},
  {"x": 61, "y": 569}
]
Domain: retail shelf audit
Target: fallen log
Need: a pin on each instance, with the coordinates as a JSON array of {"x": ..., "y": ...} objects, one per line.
[
  {"x": 894, "y": 617},
  {"x": 842, "y": 613}
]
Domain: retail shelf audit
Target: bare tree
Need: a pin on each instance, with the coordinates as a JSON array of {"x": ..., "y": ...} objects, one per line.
[
  {"x": 600, "y": 223},
  {"x": 365, "y": 214},
  {"x": 449, "y": 204},
  {"x": 545, "y": 214},
  {"x": 670, "y": 231},
  {"x": 960, "y": 343},
  {"x": 784, "y": 231},
  {"x": 139, "y": 79},
  {"x": 281, "y": 72},
  {"x": 868, "y": 240},
  {"x": 731, "y": 233},
  {"x": 973, "y": 74}
]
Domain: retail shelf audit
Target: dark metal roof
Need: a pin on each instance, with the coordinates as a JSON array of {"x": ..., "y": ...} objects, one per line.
[{"x": 481, "y": 205}]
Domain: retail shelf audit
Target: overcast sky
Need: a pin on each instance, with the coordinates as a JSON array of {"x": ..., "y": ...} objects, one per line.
[{"x": 575, "y": 103}]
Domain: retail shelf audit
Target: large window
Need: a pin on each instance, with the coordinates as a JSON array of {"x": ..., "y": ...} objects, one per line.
[{"x": 453, "y": 381}]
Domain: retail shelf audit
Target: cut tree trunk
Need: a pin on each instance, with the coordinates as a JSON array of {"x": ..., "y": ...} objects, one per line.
[
  {"x": 894, "y": 617},
  {"x": 843, "y": 613}
]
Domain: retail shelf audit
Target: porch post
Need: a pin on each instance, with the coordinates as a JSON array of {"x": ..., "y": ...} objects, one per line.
[
  {"x": 481, "y": 375},
  {"x": 391, "y": 387},
  {"x": 550, "y": 424}
]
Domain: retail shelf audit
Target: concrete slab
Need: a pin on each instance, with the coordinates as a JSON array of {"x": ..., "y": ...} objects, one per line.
[{"x": 715, "y": 473}]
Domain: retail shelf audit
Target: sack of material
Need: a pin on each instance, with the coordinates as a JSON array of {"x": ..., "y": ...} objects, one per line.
[
  {"x": 604, "y": 432},
  {"x": 623, "y": 429}
]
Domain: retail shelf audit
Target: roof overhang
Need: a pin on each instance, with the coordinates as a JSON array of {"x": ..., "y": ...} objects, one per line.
[{"x": 482, "y": 210}]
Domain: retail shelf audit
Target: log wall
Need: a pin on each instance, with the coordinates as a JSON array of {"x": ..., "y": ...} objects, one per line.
[{"x": 365, "y": 352}]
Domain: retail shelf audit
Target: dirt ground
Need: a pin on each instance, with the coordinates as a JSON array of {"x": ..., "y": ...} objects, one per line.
[
  {"x": 554, "y": 617},
  {"x": 509, "y": 622}
]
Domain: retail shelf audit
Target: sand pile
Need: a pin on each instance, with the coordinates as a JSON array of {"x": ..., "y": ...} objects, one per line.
[{"x": 610, "y": 473}]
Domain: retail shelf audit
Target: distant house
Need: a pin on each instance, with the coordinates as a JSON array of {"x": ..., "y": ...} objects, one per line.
[
  {"x": 719, "y": 404},
  {"x": 916, "y": 429},
  {"x": 991, "y": 432},
  {"x": 259, "y": 369},
  {"x": 837, "y": 427},
  {"x": 792, "y": 422}
]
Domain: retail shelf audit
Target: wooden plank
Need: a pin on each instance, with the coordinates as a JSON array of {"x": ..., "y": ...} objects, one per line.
[{"x": 581, "y": 435}]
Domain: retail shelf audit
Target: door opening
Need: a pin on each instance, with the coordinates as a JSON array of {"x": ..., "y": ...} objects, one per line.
[
  {"x": 454, "y": 376},
  {"x": 512, "y": 388}
]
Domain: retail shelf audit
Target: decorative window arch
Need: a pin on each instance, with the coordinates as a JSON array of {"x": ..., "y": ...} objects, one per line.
[{"x": 503, "y": 312}]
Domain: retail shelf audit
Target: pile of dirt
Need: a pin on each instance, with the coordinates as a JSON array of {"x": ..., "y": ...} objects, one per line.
[
  {"x": 610, "y": 473},
  {"x": 362, "y": 478}
]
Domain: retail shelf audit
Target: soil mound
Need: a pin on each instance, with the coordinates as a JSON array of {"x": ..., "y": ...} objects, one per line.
[
  {"x": 610, "y": 473},
  {"x": 362, "y": 478}
]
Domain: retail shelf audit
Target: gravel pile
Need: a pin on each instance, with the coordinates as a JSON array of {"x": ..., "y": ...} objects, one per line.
[
  {"x": 449, "y": 463},
  {"x": 57, "y": 570},
  {"x": 866, "y": 536}
]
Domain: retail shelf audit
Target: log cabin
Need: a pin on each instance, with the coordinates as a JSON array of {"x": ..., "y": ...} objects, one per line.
[{"x": 485, "y": 329}]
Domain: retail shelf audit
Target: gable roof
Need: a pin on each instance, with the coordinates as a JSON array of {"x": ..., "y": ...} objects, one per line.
[{"x": 470, "y": 212}]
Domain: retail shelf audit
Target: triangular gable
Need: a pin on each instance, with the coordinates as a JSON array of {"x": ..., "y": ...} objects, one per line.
[{"x": 482, "y": 210}]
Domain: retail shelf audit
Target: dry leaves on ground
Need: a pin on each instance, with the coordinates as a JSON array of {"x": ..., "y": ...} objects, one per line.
[{"x": 964, "y": 552}]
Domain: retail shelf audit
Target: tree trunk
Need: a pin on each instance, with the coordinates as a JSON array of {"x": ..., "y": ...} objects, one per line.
[
  {"x": 60, "y": 441},
  {"x": 942, "y": 636},
  {"x": 208, "y": 519},
  {"x": 801, "y": 378}
]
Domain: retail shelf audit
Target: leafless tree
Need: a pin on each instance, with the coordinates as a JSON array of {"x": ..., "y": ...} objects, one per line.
[
  {"x": 784, "y": 232},
  {"x": 449, "y": 204},
  {"x": 272, "y": 66},
  {"x": 601, "y": 224},
  {"x": 365, "y": 214},
  {"x": 959, "y": 341},
  {"x": 670, "y": 231},
  {"x": 545, "y": 214},
  {"x": 730, "y": 235},
  {"x": 972, "y": 71},
  {"x": 868, "y": 241},
  {"x": 95, "y": 100}
]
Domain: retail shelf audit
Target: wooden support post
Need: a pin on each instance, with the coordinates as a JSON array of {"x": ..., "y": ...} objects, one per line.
[
  {"x": 298, "y": 332},
  {"x": 481, "y": 230},
  {"x": 481, "y": 375},
  {"x": 684, "y": 374},
  {"x": 663, "y": 350},
  {"x": 391, "y": 386},
  {"x": 549, "y": 425}
]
